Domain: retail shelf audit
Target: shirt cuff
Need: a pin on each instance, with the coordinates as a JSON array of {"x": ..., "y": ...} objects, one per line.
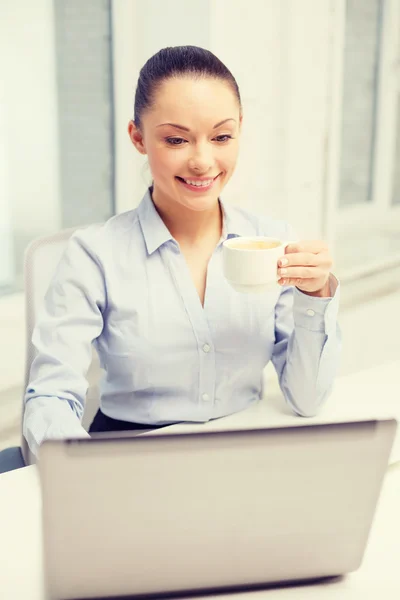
[
  {"x": 317, "y": 314},
  {"x": 48, "y": 417}
]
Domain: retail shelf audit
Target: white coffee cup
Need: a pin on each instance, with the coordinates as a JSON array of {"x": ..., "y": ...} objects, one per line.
[{"x": 250, "y": 264}]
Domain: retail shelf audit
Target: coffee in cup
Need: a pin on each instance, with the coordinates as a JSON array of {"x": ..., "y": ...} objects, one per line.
[
  {"x": 250, "y": 264},
  {"x": 253, "y": 244}
]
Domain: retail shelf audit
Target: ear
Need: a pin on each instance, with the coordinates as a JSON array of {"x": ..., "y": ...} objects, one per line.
[{"x": 136, "y": 137}]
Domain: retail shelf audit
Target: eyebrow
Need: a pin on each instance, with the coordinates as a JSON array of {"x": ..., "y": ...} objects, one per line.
[{"x": 187, "y": 129}]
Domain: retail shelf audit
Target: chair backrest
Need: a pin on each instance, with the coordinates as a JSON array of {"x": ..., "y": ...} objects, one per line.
[{"x": 41, "y": 259}]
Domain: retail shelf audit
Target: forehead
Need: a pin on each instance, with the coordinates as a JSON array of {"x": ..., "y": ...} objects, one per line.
[{"x": 193, "y": 101}]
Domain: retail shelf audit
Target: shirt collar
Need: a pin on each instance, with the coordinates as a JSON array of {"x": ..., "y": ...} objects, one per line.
[
  {"x": 235, "y": 222},
  {"x": 156, "y": 233}
]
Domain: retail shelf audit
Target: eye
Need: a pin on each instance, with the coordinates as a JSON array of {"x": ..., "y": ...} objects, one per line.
[
  {"x": 175, "y": 141},
  {"x": 223, "y": 138}
]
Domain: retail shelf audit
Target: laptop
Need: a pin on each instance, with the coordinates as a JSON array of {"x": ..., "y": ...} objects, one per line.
[{"x": 149, "y": 516}]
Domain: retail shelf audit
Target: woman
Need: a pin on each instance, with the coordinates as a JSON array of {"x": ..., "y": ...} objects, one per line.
[{"x": 146, "y": 288}]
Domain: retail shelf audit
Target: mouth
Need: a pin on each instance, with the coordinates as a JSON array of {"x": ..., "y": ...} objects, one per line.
[{"x": 198, "y": 184}]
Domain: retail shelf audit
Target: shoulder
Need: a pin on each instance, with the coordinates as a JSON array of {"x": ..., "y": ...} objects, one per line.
[
  {"x": 249, "y": 223},
  {"x": 87, "y": 253},
  {"x": 100, "y": 237}
]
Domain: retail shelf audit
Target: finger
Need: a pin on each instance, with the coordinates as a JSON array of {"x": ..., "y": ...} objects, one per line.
[
  {"x": 301, "y": 272},
  {"x": 303, "y": 284},
  {"x": 289, "y": 282},
  {"x": 314, "y": 246},
  {"x": 306, "y": 259},
  {"x": 284, "y": 282}
]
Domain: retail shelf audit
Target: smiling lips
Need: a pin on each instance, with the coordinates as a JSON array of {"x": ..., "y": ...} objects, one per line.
[{"x": 197, "y": 184}]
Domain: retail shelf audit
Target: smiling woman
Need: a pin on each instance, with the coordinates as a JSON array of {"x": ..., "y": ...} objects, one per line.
[
  {"x": 178, "y": 343},
  {"x": 187, "y": 120}
]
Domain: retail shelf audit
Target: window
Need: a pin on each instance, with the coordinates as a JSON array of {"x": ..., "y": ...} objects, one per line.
[
  {"x": 56, "y": 124},
  {"x": 367, "y": 212},
  {"x": 396, "y": 170},
  {"x": 360, "y": 90}
]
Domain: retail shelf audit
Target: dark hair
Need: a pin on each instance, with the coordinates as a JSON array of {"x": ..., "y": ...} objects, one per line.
[{"x": 174, "y": 62}]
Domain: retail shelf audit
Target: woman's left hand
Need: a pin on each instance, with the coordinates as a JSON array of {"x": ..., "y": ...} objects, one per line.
[{"x": 306, "y": 265}]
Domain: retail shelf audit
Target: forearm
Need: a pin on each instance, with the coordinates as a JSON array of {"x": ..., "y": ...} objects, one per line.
[
  {"x": 308, "y": 346},
  {"x": 310, "y": 369}
]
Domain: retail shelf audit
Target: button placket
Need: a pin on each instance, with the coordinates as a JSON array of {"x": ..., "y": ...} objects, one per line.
[
  {"x": 201, "y": 330},
  {"x": 207, "y": 387},
  {"x": 206, "y": 384}
]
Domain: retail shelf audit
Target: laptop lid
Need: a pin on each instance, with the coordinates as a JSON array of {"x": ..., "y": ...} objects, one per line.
[{"x": 172, "y": 513}]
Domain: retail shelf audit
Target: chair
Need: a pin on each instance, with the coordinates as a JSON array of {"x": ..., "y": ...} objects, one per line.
[{"x": 41, "y": 259}]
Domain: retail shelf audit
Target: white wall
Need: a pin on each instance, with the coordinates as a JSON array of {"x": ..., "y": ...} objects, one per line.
[
  {"x": 249, "y": 43},
  {"x": 29, "y": 108},
  {"x": 27, "y": 63},
  {"x": 281, "y": 54},
  {"x": 125, "y": 64}
]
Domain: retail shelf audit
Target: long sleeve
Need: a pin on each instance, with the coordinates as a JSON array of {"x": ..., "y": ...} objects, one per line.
[
  {"x": 70, "y": 320},
  {"x": 307, "y": 347}
]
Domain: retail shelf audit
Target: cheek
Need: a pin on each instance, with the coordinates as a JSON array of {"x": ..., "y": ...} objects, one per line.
[
  {"x": 230, "y": 156},
  {"x": 164, "y": 162}
]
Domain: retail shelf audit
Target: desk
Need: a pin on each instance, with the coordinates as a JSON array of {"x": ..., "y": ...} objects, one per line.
[{"x": 365, "y": 395}]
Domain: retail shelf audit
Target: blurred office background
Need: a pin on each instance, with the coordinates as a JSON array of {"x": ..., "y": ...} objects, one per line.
[{"x": 320, "y": 83}]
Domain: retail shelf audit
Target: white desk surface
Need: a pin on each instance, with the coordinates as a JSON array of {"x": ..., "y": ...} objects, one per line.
[{"x": 371, "y": 394}]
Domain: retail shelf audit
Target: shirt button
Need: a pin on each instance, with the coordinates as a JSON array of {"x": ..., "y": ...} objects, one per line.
[
  {"x": 206, "y": 348},
  {"x": 311, "y": 312},
  {"x": 205, "y": 397}
]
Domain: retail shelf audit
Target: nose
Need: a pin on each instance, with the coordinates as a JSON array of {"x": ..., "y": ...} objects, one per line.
[{"x": 202, "y": 159}]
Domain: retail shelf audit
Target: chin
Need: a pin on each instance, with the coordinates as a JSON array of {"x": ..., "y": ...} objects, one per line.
[
  {"x": 201, "y": 203},
  {"x": 198, "y": 208}
]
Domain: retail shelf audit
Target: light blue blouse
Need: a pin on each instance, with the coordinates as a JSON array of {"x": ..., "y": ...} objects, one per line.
[{"x": 125, "y": 287}]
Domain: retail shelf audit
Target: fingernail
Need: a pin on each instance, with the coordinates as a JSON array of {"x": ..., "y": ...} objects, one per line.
[
  {"x": 283, "y": 282},
  {"x": 283, "y": 262},
  {"x": 283, "y": 271}
]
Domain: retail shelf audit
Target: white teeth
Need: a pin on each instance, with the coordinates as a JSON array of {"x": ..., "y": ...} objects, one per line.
[{"x": 199, "y": 183}]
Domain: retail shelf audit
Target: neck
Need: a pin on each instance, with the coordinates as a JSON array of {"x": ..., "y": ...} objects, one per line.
[{"x": 188, "y": 226}]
